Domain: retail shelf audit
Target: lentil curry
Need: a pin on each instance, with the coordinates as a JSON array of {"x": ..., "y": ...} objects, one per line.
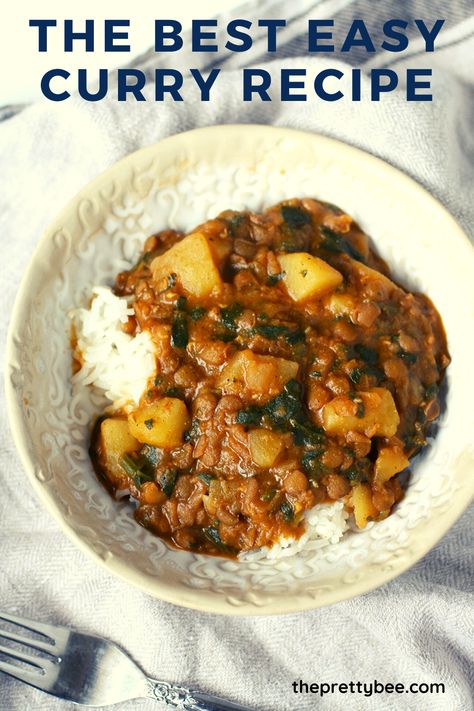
[{"x": 292, "y": 371}]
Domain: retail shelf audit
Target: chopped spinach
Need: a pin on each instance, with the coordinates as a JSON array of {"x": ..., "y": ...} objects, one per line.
[
  {"x": 414, "y": 441},
  {"x": 333, "y": 242},
  {"x": 287, "y": 246},
  {"x": 212, "y": 534},
  {"x": 205, "y": 477},
  {"x": 151, "y": 455},
  {"x": 421, "y": 416},
  {"x": 181, "y": 302},
  {"x": 359, "y": 471},
  {"x": 229, "y": 314},
  {"x": 251, "y": 415},
  {"x": 149, "y": 424},
  {"x": 310, "y": 461},
  {"x": 295, "y": 217},
  {"x": 365, "y": 353},
  {"x": 234, "y": 222},
  {"x": 306, "y": 433},
  {"x": 293, "y": 387},
  {"x": 137, "y": 468},
  {"x": 293, "y": 337},
  {"x": 174, "y": 392},
  {"x": 285, "y": 412},
  {"x": 356, "y": 373},
  {"x": 375, "y": 372},
  {"x": 389, "y": 309},
  {"x": 129, "y": 465},
  {"x": 275, "y": 278},
  {"x": 286, "y": 406},
  {"x": 360, "y": 408},
  {"x": 287, "y": 510},
  {"x": 431, "y": 391},
  {"x": 272, "y": 331},
  {"x": 146, "y": 259},
  {"x": 193, "y": 433},
  {"x": 196, "y": 313},
  {"x": 409, "y": 358},
  {"x": 168, "y": 480},
  {"x": 171, "y": 280},
  {"x": 179, "y": 331},
  {"x": 268, "y": 495}
]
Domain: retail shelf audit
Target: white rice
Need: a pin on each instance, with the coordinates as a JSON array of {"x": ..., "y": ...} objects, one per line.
[
  {"x": 114, "y": 361},
  {"x": 325, "y": 525},
  {"x": 121, "y": 365}
]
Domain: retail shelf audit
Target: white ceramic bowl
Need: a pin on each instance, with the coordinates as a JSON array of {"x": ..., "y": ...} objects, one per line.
[{"x": 180, "y": 182}]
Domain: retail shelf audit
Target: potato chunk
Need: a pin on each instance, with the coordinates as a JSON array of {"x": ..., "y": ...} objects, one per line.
[
  {"x": 380, "y": 285},
  {"x": 256, "y": 376},
  {"x": 306, "y": 276},
  {"x": 340, "y": 304},
  {"x": 390, "y": 461},
  {"x": 161, "y": 424},
  {"x": 363, "y": 506},
  {"x": 265, "y": 446},
  {"x": 193, "y": 261},
  {"x": 372, "y": 412},
  {"x": 115, "y": 441},
  {"x": 220, "y": 247}
]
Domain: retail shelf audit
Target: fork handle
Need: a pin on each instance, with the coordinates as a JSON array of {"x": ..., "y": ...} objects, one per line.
[{"x": 189, "y": 700}]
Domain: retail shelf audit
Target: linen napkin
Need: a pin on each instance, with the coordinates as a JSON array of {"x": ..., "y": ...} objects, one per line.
[{"x": 418, "y": 628}]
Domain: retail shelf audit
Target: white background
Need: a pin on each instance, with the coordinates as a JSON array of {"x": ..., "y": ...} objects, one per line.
[{"x": 22, "y": 66}]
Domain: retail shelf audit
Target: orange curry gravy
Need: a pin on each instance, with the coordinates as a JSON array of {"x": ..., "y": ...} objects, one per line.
[{"x": 363, "y": 337}]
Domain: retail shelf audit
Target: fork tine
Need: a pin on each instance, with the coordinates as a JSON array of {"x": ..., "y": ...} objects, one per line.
[
  {"x": 50, "y": 631},
  {"x": 29, "y": 677},
  {"x": 22, "y": 656},
  {"x": 29, "y": 642}
]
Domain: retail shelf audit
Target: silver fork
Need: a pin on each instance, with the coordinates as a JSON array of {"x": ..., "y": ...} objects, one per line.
[{"x": 92, "y": 671}]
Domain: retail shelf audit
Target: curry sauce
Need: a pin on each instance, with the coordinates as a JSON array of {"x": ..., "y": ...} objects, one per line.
[{"x": 291, "y": 371}]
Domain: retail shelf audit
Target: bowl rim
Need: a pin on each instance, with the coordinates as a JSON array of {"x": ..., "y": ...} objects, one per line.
[{"x": 194, "y": 598}]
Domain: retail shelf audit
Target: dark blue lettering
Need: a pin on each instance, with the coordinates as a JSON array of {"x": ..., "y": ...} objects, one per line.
[
  {"x": 356, "y": 84},
  {"x": 42, "y": 26},
  {"x": 84, "y": 91},
  {"x": 124, "y": 88},
  {"x": 110, "y": 35},
  {"x": 358, "y": 27},
  {"x": 377, "y": 87},
  {"x": 319, "y": 88},
  {"x": 413, "y": 84},
  {"x": 205, "y": 85},
  {"x": 429, "y": 35},
  {"x": 161, "y": 88},
  {"x": 400, "y": 38},
  {"x": 272, "y": 26},
  {"x": 198, "y": 36},
  {"x": 314, "y": 35},
  {"x": 70, "y": 36},
  {"x": 287, "y": 84},
  {"x": 244, "y": 38},
  {"x": 260, "y": 89},
  {"x": 46, "y": 85},
  {"x": 173, "y": 33}
]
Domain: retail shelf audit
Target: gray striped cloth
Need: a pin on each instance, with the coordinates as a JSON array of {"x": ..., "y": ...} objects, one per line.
[{"x": 419, "y": 627}]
